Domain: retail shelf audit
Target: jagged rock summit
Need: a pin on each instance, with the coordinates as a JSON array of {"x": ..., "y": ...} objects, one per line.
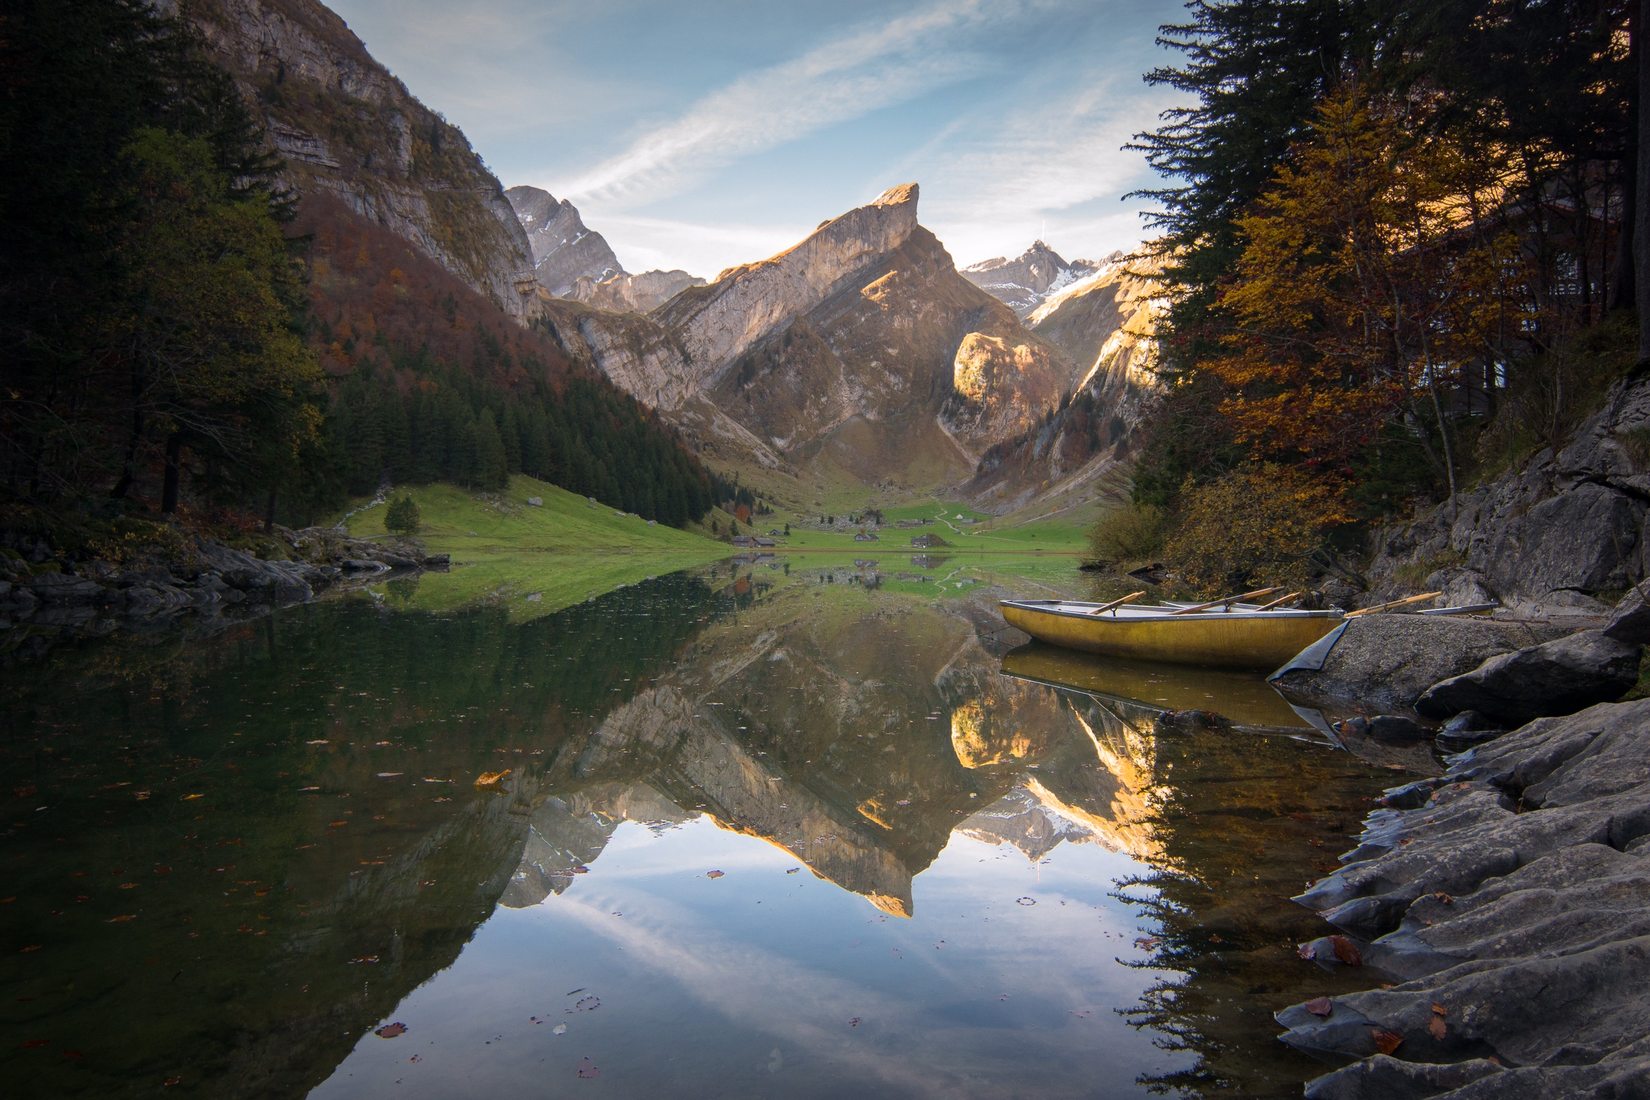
[
  {"x": 564, "y": 248},
  {"x": 1027, "y": 281},
  {"x": 575, "y": 262},
  {"x": 859, "y": 348}
]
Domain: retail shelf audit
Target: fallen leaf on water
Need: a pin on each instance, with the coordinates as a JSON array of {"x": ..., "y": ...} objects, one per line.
[
  {"x": 854, "y": 1022},
  {"x": 35, "y": 1044},
  {"x": 389, "y": 775},
  {"x": 121, "y": 919},
  {"x": 714, "y": 874},
  {"x": 1386, "y": 1041},
  {"x": 559, "y": 1029},
  {"x": 339, "y": 824},
  {"x": 491, "y": 780},
  {"x": 192, "y": 797},
  {"x": 171, "y": 1081},
  {"x": 24, "y": 950},
  {"x": 1346, "y": 951},
  {"x": 1319, "y": 1006},
  {"x": 317, "y": 741},
  {"x": 390, "y": 1031},
  {"x": 1146, "y": 943},
  {"x": 792, "y": 870},
  {"x": 587, "y": 1068}
]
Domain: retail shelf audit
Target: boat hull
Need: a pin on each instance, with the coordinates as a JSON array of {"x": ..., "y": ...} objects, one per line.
[{"x": 1230, "y": 639}]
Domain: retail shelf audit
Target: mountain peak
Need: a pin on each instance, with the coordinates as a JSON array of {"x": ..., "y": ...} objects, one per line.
[
  {"x": 564, "y": 248},
  {"x": 898, "y": 195},
  {"x": 1024, "y": 282}
]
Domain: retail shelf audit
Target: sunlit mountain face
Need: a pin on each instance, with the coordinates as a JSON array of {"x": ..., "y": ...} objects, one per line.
[{"x": 760, "y": 831}]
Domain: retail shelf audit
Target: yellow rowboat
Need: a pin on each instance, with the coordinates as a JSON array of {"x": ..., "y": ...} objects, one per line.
[{"x": 1228, "y": 636}]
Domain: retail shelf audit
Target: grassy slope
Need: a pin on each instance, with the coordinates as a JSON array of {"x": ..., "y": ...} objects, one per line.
[
  {"x": 466, "y": 524},
  {"x": 539, "y": 559},
  {"x": 534, "y": 559}
]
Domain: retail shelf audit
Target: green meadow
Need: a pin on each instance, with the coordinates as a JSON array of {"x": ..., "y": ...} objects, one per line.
[{"x": 538, "y": 558}]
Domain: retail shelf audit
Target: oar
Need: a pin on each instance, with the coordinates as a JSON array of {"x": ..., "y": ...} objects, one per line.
[
  {"x": 1227, "y": 600},
  {"x": 1280, "y": 599},
  {"x": 1392, "y": 604},
  {"x": 1130, "y": 598}
]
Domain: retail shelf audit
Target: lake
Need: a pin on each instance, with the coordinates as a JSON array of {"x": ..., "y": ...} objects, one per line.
[{"x": 800, "y": 830}]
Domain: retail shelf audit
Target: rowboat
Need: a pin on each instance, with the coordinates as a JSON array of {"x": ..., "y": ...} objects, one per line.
[{"x": 1224, "y": 635}]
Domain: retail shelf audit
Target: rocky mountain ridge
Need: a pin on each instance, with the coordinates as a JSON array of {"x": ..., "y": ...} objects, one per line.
[
  {"x": 860, "y": 347},
  {"x": 564, "y": 248},
  {"x": 1027, "y": 281},
  {"x": 344, "y": 124}
]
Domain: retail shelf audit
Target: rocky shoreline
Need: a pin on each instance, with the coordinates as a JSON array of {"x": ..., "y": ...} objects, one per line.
[
  {"x": 1508, "y": 898},
  {"x": 43, "y": 597}
]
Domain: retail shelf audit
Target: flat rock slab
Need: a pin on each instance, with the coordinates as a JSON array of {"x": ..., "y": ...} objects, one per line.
[
  {"x": 1516, "y": 902},
  {"x": 1385, "y": 662}
]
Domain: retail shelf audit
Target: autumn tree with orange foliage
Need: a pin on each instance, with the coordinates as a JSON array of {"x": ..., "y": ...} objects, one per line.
[{"x": 1367, "y": 280}]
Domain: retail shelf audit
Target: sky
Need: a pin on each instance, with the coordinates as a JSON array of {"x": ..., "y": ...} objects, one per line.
[{"x": 700, "y": 134}]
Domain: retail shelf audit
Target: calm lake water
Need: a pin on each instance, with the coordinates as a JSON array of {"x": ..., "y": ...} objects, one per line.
[{"x": 764, "y": 833}]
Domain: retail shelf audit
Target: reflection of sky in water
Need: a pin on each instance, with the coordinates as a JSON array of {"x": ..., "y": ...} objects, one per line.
[
  {"x": 703, "y": 980},
  {"x": 287, "y": 851}
]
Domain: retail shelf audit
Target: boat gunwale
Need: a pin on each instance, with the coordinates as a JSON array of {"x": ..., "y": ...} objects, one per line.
[{"x": 1135, "y": 613}]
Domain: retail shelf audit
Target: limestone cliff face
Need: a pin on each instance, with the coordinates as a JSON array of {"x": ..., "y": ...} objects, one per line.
[
  {"x": 565, "y": 250},
  {"x": 345, "y": 125},
  {"x": 744, "y": 304},
  {"x": 1106, "y": 324}
]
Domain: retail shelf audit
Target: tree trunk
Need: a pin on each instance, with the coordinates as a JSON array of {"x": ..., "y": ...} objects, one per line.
[
  {"x": 169, "y": 487},
  {"x": 1622, "y": 274},
  {"x": 269, "y": 511},
  {"x": 128, "y": 468},
  {"x": 1641, "y": 189}
]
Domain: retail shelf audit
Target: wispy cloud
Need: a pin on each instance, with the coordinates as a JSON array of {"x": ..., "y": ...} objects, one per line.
[
  {"x": 843, "y": 78},
  {"x": 1054, "y": 164}
]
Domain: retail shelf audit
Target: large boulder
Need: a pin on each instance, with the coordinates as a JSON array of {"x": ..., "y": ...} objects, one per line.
[
  {"x": 1548, "y": 536},
  {"x": 1557, "y": 677},
  {"x": 1630, "y": 621},
  {"x": 1385, "y": 662}
]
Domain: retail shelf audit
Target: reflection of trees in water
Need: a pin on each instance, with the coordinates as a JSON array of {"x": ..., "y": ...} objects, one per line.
[
  {"x": 1238, "y": 822},
  {"x": 245, "y": 864}
]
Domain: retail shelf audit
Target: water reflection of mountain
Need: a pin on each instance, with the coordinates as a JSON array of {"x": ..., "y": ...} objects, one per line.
[
  {"x": 855, "y": 731},
  {"x": 294, "y": 812}
]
